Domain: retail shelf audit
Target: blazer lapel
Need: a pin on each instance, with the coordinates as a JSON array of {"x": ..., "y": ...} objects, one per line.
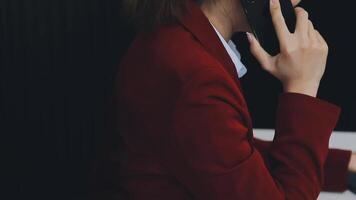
[{"x": 198, "y": 24}]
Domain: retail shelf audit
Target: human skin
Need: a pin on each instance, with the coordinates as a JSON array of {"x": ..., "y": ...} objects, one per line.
[
  {"x": 302, "y": 60},
  {"x": 301, "y": 63},
  {"x": 352, "y": 165}
]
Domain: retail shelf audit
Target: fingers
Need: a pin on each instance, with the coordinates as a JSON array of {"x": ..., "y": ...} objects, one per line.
[
  {"x": 279, "y": 22},
  {"x": 295, "y": 2},
  {"x": 311, "y": 30},
  {"x": 302, "y": 25},
  {"x": 312, "y": 34},
  {"x": 260, "y": 54},
  {"x": 321, "y": 39},
  {"x": 305, "y": 29}
]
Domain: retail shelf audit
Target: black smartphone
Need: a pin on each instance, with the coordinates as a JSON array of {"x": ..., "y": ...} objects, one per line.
[{"x": 259, "y": 17}]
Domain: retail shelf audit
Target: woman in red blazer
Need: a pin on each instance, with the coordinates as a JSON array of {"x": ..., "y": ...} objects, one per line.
[{"x": 185, "y": 126}]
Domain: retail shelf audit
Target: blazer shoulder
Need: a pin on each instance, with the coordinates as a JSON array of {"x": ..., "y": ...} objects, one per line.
[
  {"x": 166, "y": 62},
  {"x": 175, "y": 49}
]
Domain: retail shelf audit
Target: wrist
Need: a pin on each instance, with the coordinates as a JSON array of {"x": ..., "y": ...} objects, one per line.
[
  {"x": 310, "y": 89},
  {"x": 352, "y": 164}
]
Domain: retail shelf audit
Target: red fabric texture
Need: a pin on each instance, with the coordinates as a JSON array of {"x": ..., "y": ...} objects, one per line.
[
  {"x": 187, "y": 132},
  {"x": 335, "y": 168}
]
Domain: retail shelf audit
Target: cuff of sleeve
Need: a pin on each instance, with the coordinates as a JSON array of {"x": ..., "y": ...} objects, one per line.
[
  {"x": 296, "y": 109},
  {"x": 336, "y": 170},
  {"x": 292, "y": 97}
]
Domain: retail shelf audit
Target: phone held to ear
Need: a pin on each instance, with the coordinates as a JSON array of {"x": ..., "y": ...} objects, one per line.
[{"x": 259, "y": 18}]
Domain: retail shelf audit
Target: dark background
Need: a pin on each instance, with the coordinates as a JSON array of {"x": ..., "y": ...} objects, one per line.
[{"x": 58, "y": 59}]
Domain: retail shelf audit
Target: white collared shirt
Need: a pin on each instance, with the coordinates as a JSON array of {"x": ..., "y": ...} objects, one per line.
[{"x": 233, "y": 53}]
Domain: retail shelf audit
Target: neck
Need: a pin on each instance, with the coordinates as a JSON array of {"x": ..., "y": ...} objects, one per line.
[
  {"x": 220, "y": 17},
  {"x": 227, "y": 17}
]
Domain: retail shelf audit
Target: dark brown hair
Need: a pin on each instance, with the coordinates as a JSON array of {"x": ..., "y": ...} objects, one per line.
[{"x": 154, "y": 12}]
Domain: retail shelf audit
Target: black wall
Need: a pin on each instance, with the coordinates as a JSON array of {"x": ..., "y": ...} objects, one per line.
[
  {"x": 57, "y": 63},
  {"x": 58, "y": 59},
  {"x": 334, "y": 22}
]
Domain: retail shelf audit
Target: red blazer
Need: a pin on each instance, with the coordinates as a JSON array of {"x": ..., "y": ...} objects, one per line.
[{"x": 187, "y": 131}]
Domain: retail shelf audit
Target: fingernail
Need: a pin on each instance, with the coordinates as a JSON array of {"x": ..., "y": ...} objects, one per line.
[{"x": 249, "y": 37}]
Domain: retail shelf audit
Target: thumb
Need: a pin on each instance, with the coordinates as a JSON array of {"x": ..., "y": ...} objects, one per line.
[{"x": 259, "y": 53}]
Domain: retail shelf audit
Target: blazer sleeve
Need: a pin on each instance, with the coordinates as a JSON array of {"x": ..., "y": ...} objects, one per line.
[
  {"x": 335, "y": 168},
  {"x": 210, "y": 154}
]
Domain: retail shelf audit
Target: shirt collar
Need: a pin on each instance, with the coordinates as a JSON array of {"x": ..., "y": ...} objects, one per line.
[
  {"x": 195, "y": 22},
  {"x": 234, "y": 54}
]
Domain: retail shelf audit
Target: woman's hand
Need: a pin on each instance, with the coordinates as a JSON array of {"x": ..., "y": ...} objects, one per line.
[
  {"x": 352, "y": 165},
  {"x": 352, "y": 173},
  {"x": 302, "y": 60}
]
